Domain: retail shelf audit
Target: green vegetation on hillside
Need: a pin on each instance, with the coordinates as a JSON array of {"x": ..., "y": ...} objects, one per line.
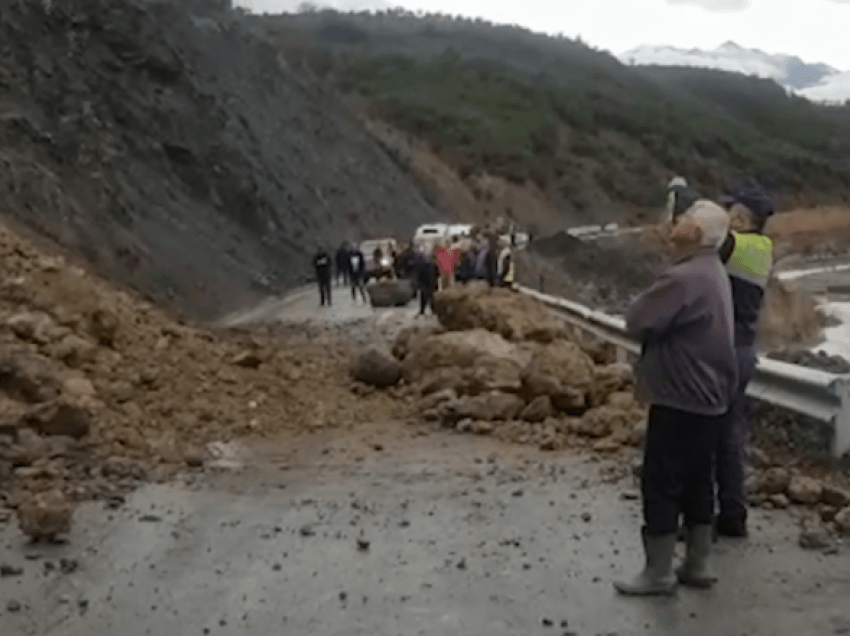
[{"x": 593, "y": 134}]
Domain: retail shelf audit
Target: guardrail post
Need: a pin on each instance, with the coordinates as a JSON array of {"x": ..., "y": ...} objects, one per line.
[{"x": 841, "y": 433}]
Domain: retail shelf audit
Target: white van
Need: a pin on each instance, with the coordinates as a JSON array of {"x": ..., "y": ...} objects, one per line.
[{"x": 427, "y": 236}]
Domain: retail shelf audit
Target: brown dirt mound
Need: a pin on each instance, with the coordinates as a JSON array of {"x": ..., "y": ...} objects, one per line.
[
  {"x": 790, "y": 316},
  {"x": 99, "y": 390}
]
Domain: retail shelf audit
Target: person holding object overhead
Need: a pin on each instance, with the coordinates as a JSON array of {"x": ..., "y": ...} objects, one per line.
[{"x": 687, "y": 372}]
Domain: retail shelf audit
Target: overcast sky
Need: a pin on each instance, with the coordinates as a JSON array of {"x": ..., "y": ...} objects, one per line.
[{"x": 815, "y": 30}]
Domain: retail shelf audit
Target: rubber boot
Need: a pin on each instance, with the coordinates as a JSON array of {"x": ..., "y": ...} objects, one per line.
[
  {"x": 694, "y": 571},
  {"x": 657, "y": 578}
]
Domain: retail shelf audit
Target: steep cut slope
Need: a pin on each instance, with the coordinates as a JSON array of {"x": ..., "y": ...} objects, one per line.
[
  {"x": 598, "y": 139},
  {"x": 178, "y": 153},
  {"x": 788, "y": 70}
]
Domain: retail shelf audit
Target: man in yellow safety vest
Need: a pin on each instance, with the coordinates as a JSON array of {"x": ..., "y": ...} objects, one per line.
[{"x": 748, "y": 256}]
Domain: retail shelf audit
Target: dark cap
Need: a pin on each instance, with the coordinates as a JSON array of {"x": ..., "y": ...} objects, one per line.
[{"x": 752, "y": 197}]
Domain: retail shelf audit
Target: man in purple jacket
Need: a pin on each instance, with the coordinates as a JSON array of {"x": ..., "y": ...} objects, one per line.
[{"x": 688, "y": 373}]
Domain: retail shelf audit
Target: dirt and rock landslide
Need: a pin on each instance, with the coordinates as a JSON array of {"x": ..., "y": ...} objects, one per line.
[
  {"x": 178, "y": 153},
  {"x": 500, "y": 364},
  {"x": 100, "y": 391}
]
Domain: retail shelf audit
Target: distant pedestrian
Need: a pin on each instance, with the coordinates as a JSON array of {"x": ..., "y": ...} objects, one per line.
[
  {"x": 357, "y": 273},
  {"x": 687, "y": 373},
  {"x": 427, "y": 276},
  {"x": 322, "y": 265},
  {"x": 492, "y": 261},
  {"x": 343, "y": 265}
]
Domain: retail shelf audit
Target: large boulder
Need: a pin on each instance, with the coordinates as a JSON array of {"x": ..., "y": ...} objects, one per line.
[
  {"x": 376, "y": 368},
  {"x": 408, "y": 337},
  {"x": 603, "y": 421},
  {"x": 458, "y": 349},
  {"x": 491, "y": 373},
  {"x": 561, "y": 371},
  {"x": 514, "y": 316},
  {"x": 390, "y": 293}
]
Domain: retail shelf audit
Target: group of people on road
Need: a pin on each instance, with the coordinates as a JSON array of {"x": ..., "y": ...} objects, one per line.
[
  {"x": 348, "y": 266},
  {"x": 697, "y": 327},
  {"x": 483, "y": 256}
]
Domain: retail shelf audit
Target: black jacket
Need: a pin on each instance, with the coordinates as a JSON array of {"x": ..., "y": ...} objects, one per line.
[{"x": 322, "y": 264}]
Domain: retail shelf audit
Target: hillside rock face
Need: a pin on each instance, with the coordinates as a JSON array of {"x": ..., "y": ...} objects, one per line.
[{"x": 179, "y": 154}]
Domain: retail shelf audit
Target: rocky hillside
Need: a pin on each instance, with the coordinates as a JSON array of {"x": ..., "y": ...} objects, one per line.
[
  {"x": 593, "y": 137},
  {"x": 180, "y": 154}
]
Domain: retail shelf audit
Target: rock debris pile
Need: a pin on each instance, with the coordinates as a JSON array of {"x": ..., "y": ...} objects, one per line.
[
  {"x": 100, "y": 391},
  {"x": 500, "y": 363}
]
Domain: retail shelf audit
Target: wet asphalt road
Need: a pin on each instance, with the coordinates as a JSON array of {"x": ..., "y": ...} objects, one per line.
[
  {"x": 437, "y": 534},
  {"x": 391, "y": 530}
]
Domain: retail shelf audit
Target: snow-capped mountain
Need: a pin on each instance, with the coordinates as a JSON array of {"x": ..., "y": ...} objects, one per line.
[
  {"x": 833, "y": 89},
  {"x": 788, "y": 70}
]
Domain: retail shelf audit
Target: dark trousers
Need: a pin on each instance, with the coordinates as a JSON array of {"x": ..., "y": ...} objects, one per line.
[
  {"x": 341, "y": 276},
  {"x": 676, "y": 478},
  {"x": 357, "y": 285},
  {"x": 325, "y": 288},
  {"x": 732, "y": 443},
  {"x": 426, "y": 297}
]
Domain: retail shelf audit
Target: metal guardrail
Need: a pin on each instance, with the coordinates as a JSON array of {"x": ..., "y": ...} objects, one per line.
[{"x": 816, "y": 394}]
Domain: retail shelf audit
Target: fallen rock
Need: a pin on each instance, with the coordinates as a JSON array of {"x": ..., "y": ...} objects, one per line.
[
  {"x": 377, "y": 369},
  {"x": 773, "y": 481},
  {"x": 538, "y": 410},
  {"x": 779, "y": 501},
  {"x": 805, "y": 490},
  {"x": 434, "y": 400},
  {"x": 487, "y": 407},
  {"x": 516, "y": 317},
  {"x": 409, "y": 335},
  {"x": 563, "y": 372},
  {"x": 103, "y": 326},
  {"x": 621, "y": 400},
  {"x": 73, "y": 350},
  {"x": 827, "y": 514},
  {"x": 59, "y": 418},
  {"x": 609, "y": 379},
  {"x": 842, "y": 522},
  {"x": 250, "y": 359},
  {"x": 459, "y": 349},
  {"x": 601, "y": 421},
  {"x": 815, "y": 540},
  {"x": 34, "y": 326},
  {"x": 30, "y": 378},
  {"x": 440, "y": 380},
  {"x": 492, "y": 374},
  {"x": 46, "y": 516},
  {"x": 835, "y": 496},
  {"x": 78, "y": 387}
]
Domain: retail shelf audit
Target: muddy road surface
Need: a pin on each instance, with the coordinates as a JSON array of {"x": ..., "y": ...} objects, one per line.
[{"x": 388, "y": 528}]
